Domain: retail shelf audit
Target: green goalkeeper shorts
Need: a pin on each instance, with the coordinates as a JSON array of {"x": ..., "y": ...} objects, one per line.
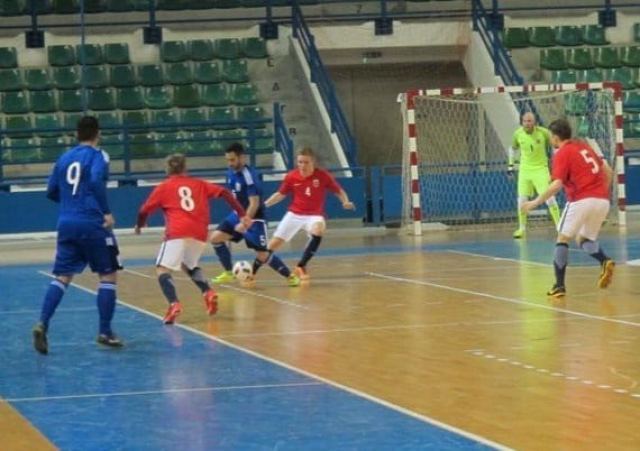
[{"x": 530, "y": 180}]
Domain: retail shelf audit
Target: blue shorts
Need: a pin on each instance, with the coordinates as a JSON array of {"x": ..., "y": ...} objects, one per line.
[
  {"x": 255, "y": 237},
  {"x": 73, "y": 255}
]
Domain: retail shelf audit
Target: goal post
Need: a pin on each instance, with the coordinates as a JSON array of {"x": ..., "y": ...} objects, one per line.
[{"x": 456, "y": 141}]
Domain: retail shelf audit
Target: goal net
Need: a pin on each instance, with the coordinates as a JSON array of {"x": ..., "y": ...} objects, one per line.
[{"x": 456, "y": 141}]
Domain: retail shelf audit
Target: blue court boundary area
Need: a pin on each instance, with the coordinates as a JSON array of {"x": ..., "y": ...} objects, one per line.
[{"x": 177, "y": 388}]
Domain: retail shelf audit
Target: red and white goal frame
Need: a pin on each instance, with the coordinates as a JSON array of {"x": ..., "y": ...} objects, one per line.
[{"x": 408, "y": 100}]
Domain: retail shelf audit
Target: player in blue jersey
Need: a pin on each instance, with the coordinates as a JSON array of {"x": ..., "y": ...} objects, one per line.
[
  {"x": 245, "y": 184},
  {"x": 78, "y": 183}
]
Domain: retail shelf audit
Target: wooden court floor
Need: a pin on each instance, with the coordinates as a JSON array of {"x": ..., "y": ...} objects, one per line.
[{"x": 460, "y": 332}]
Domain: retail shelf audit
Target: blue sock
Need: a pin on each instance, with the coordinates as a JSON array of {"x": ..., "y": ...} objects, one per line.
[
  {"x": 257, "y": 264},
  {"x": 560, "y": 261},
  {"x": 224, "y": 255},
  {"x": 278, "y": 265},
  {"x": 310, "y": 250},
  {"x": 51, "y": 300},
  {"x": 593, "y": 248},
  {"x": 106, "y": 306},
  {"x": 168, "y": 288}
]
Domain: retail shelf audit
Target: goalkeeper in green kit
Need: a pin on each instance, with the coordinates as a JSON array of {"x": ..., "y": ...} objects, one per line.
[{"x": 532, "y": 141}]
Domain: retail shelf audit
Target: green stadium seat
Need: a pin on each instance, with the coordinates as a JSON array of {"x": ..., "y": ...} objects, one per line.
[
  {"x": 223, "y": 117},
  {"x": 130, "y": 99},
  {"x": 164, "y": 117},
  {"x": 193, "y": 115},
  {"x": 624, "y": 75},
  {"x": 254, "y": 48},
  {"x": 178, "y": 73},
  {"x": 263, "y": 142},
  {"x": 186, "y": 96},
  {"x": 61, "y": 55},
  {"x": 173, "y": 52},
  {"x": 249, "y": 113},
  {"x": 15, "y": 102},
  {"x": 135, "y": 120},
  {"x": 636, "y": 32},
  {"x": 70, "y": 122},
  {"x": 95, "y": 76},
  {"x": 203, "y": 143},
  {"x": 8, "y": 58},
  {"x": 70, "y": 100},
  {"x": 42, "y": 7},
  {"x": 582, "y": 127},
  {"x": 590, "y": 76},
  {"x": 17, "y": 125},
  {"x": 564, "y": 76},
  {"x": 607, "y": 57},
  {"x": 235, "y": 71},
  {"x": 66, "y": 77},
  {"x": 37, "y": 79},
  {"x": 13, "y": 7},
  {"x": 24, "y": 150},
  {"x": 173, "y": 5},
  {"x": 43, "y": 101},
  {"x": 142, "y": 145},
  {"x": 553, "y": 59},
  {"x": 151, "y": 75},
  {"x": 244, "y": 94},
  {"x": 123, "y": 76},
  {"x": 207, "y": 73},
  {"x": 631, "y": 102},
  {"x": 542, "y": 37},
  {"x": 580, "y": 58},
  {"x": 514, "y": 38},
  {"x": 113, "y": 145},
  {"x": 631, "y": 126},
  {"x": 11, "y": 80},
  {"x": 109, "y": 122},
  {"x": 66, "y": 6},
  {"x": 158, "y": 97},
  {"x": 201, "y": 50},
  {"x": 576, "y": 104},
  {"x": 143, "y": 5},
  {"x": 170, "y": 142},
  {"x": 121, "y": 6},
  {"x": 630, "y": 56},
  {"x": 92, "y": 54},
  {"x": 215, "y": 95},
  {"x": 101, "y": 99},
  {"x": 52, "y": 147},
  {"x": 95, "y": 6},
  {"x": 205, "y": 4},
  {"x": 227, "y": 48},
  {"x": 568, "y": 35},
  {"x": 594, "y": 35},
  {"x": 228, "y": 137},
  {"x": 116, "y": 53}
]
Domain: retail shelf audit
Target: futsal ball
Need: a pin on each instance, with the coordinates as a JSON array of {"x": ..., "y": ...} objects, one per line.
[{"x": 243, "y": 270}]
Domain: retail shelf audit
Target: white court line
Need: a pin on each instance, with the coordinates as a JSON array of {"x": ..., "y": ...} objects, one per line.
[
  {"x": 35, "y": 312},
  {"x": 161, "y": 392},
  {"x": 230, "y": 287},
  {"x": 350, "y": 390},
  {"x": 515, "y": 260},
  {"x": 502, "y": 298}
]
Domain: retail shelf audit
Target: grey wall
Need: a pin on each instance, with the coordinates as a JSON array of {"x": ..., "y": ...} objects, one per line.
[{"x": 368, "y": 94}]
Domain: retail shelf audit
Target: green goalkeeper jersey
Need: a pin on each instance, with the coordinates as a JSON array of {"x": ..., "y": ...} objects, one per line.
[{"x": 533, "y": 147}]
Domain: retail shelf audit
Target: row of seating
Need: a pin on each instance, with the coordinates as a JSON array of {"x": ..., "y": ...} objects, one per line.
[
  {"x": 589, "y": 58},
  {"x": 628, "y": 77},
  {"x": 101, "y": 99},
  {"x": 65, "y": 55},
  {"x": 123, "y": 76},
  {"x": 568, "y": 35}
]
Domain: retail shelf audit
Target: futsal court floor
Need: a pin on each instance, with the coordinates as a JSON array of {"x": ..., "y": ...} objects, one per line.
[{"x": 398, "y": 343}]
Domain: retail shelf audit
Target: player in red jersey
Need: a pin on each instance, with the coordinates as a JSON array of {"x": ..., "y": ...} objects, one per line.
[
  {"x": 185, "y": 203},
  {"x": 586, "y": 178},
  {"x": 308, "y": 186}
]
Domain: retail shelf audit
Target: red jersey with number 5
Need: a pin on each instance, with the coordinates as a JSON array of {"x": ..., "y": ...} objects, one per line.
[
  {"x": 581, "y": 171},
  {"x": 308, "y": 192},
  {"x": 184, "y": 201}
]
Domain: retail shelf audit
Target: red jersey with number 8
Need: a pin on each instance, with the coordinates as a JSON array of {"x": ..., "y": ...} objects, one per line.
[
  {"x": 184, "y": 201},
  {"x": 581, "y": 171},
  {"x": 308, "y": 192}
]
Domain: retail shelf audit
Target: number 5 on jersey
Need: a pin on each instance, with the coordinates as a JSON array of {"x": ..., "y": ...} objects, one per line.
[{"x": 590, "y": 160}]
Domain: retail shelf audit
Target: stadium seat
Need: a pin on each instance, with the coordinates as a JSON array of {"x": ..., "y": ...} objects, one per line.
[
  {"x": 564, "y": 76},
  {"x": 542, "y": 37},
  {"x": 203, "y": 143},
  {"x": 254, "y": 48},
  {"x": 101, "y": 99},
  {"x": 249, "y": 113},
  {"x": 582, "y": 127},
  {"x": 580, "y": 58},
  {"x": 631, "y": 126},
  {"x": 70, "y": 100},
  {"x": 576, "y": 104},
  {"x": 123, "y": 76},
  {"x": 235, "y": 71},
  {"x": 116, "y": 53},
  {"x": 158, "y": 97},
  {"x": 173, "y": 5},
  {"x": 66, "y": 77},
  {"x": 594, "y": 35},
  {"x": 43, "y": 101},
  {"x": 227, "y": 48},
  {"x": 170, "y": 142},
  {"x": 244, "y": 94},
  {"x": 136, "y": 120},
  {"x": 142, "y": 145},
  {"x": 631, "y": 102},
  {"x": 207, "y": 73},
  {"x": 193, "y": 115},
  {"x": 8, "y": 57},
  {"x": 201, "y": 50},
  {"x": 228, "y": 137},
  {"x": 164, "y": 117},
  {"x": 223, "y": 117},
  {"x": 37, "y": 79},
  {"x": 42, "y": 6},
  {"x": 15, "y": 103},
  {"x": 514, "y": 38},
  {"x": 143, "y": 5},
  {"x": 61, "y": 55},
  {"x": 607, "y": 57},
  {"x": 205, "y": 4},
  {"x": 215, "y": 95},
  {"x": 130, "y": 99},
  {"x": 66, "y": 6},
  {"x": 151, "y": 75},
  {"x": 568, "y": 35},
  {"x": 630, "y": 56},
  {"x": 13, "y": 7},
  {"x": 10, "y": 80},
  {"x": 70, "y": 122},
  {"x": 95, "y": 6},
  {"x": 173, "y": 52},
  {"x": 16, "y": 126},
  {"x": 186, "y": 96},
  {"x": 178, "y": 73},
  {"x": 95, "y": 76},
  {"x": 590, "y": 76},
  {"x": 92, "y": 54},
  {"x": 624, "y": 75},
  {"x": 113, "y": 145},
  {"x": 109, "y": 122},
  {"x": 262, "y": 141},
  {"x": 553, "y": 59},
  {"x": 118, "y": 6},
  {"x": 24, "y": 150},
  {"x": 636, "y": 32},
  {"x": 52, "y": 147}
]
